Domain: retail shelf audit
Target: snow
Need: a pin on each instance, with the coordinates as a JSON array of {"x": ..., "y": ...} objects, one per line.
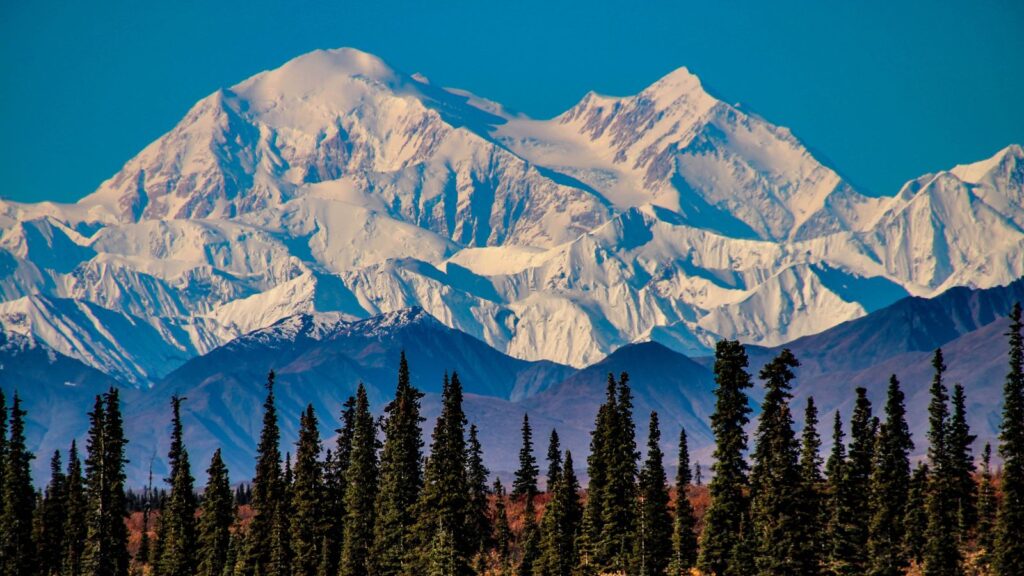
[{"x": 338, "y": 185}]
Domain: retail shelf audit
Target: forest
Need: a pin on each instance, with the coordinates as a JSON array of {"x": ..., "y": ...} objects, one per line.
[{"x": 380, "y": 501}]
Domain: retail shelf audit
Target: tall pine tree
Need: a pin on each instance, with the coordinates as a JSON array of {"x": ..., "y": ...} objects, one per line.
[
  {"x": 813, "y": 551},
  {"x": 941, "y": 554},
  {"x": 266, "y": 493},
  {"x": 890, "y": 486},
  {"x": 725, "y": 518},
  {"x": 215, "y": 520},
  {"x": 334, "y": 492},
  {"x": 106, "y": 542},
  {"x": 554, "y": 460},
  {"x": 307, "y": 498},
  {"x": 17, "y": 551},
  {"x": 857, "y": 478},
  {"x": 74, "y": 523},
  {"x": 50, "y": 544},
  {"x": 841, "y": 504},
  {"x": 962, "y": 463},
  {"x": 360, "y": 490},
  {"x": 478, "y": 522},
  {"x": 619, "y": 511},
  {"x": 653, "y": 543},
  {"x": 986, "y": 508},
  {"x": 597, "y": 470},
  {"x": 525, "y": 483},
  {"x": 401, "y": 475},
  {"x": 502, "y": 530},
  {"x": 177, "y": 522},
  {"x": 775, "y": 476},
  {"x": 1009, "y": 545},
  {"x": 915, "y": 521},
  {"x": 684, "y": 526}
]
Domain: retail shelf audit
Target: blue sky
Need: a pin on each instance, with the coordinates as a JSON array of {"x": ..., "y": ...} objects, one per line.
[{"x": 884, "y": 91}]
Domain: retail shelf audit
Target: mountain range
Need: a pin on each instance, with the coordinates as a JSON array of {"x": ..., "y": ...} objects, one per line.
[{"x": 323, "y": 216}]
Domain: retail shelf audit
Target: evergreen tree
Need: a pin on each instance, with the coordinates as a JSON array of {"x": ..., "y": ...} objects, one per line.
[
  {"x": 502, "y": 531},
  {"x": 890, "y": 485},
  {"x": 775, "y": 500},
  {"x": 620, "y": 495},
  {"x": 74, "y": 522},
  {"x": 478, "y": 523},
  {"x": 986, "y": 507},
  {"x": 812, "y": 551},
  {"x": 857, "y": 478},
  {"x": 962, "y": 464},
  {"x": 525, "y": 483},
  {"x": 840, "y": 505},
  {"x": 554, "y": 460},
  {"x": 568, "y": 495},
  {"x": 334, "y": 492},
  {"x": 684, "y": 527},
  {"x": 653, "y": 542},
  {"x": 941, "y": 554},
  {"x": 215, "y": 520},
  {"x": 401, "y": 475},
  {"x": 1009, "y": 545},
  {"x": 597, "y": 470},
  {"x": 529, "y": 540},
  {"x": 50, "y": 543},
  {"x": 142, "y": 557},
  {"x": 307, "y": 497},
  {"x": 915, "y": 521},
  {"x": 698, "y": 477},
  {"x": 360, "y": 490},
  {"x": 266, "y": 493},
  {"x": 106, "y": 541},
  {"x": 17, "y": 552},
  {"x": 729, "y": 505},
  {"x": 177, "y": 520},
  {"x": 443, "y": 501}
]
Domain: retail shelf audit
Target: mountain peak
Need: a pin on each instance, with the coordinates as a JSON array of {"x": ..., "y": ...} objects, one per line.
[{"x": 677, "y": 84}]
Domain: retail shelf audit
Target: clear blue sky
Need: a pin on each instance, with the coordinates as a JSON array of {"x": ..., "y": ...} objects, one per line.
[{"x": 883, "y": 90}]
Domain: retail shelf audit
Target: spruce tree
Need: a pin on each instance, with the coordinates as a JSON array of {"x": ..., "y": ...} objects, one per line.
[
  {"x": 17, "y": 551},
  {"x": 74, "y": 522},
  {"x": 335, "y": 465},
  {"x": 811, "y": 492},
  {"x": 653, "y": 543},
  {"x": 986, "y": 508},
  {"x": 775, "y": 476},
  {"x": 525, "y": 483},
  {"x": 502, "y": 530},
  {"x": 729, "y": 505},
  {"x": 177, "y": 520},
  {"x": 941, "y": 554},
  {"x": 857, "y": 478},
  {"x": 307, "y": 498},
  {"x": 568, "y": 494},
  {"x": 554, "y": 460},
  {"x": 597, "y": 470},
  {"x": 840, "y": 505},
  {"x": 215, "y": 520},
  {"x": 619, "y": 511},
  {"x": 401, "y": 475},
  {"x": 478, "y": 523},
  {"x": 890, "y": 485},
  {"x": 915, "y": 521},
  {"x": 50, "y": 543},
  {"x": 962, "y": 464},
  {"x": 1009, "y": 544},
  {"x": 443, "y": 501},
  {"x": 684, "y": 526},
  {"x": 360, "y": 490},
  {"x": 529, "y": 541},
  {"x": 106, "y": 541},
  {"x": 266, "y": 492}
]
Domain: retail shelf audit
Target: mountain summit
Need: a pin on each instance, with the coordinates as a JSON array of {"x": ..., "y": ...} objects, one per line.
[{"x": 336, "y": 183}]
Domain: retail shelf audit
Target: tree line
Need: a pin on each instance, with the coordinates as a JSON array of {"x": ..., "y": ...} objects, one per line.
[{"x": 377, "y": 502}]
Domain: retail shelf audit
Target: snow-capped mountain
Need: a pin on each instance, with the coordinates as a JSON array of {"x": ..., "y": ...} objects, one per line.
[{"x": 338, "y": 184}]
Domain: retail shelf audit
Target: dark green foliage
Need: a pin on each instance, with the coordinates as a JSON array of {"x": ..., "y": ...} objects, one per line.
[
  {"x": 811, "y": 492},
  {"x": 502, "y": 531},
  {"x": 307, "y": 498},
  {"x": 986, "y": 507},
  {"x": 334, "y": 492},
  {"x": 177, "y": 522},
  {"x": 619, "y": 510},
  {"x": 597, "y": 470},
  {"x": 775, "y": 501},
  {"x": 652, "y": 549},
  {"x": 962, "y": 464},
  {"x": 726, "y": 517},
  {"x": 443, "y": 503},
  {"x": 857, "y": 478},
  {"x": 478, "y": 523},
  {"x": 360, "y": 490},
  {"x": 1009, "y": 545},
  {"x": 401, "y": 475},
  {"x": 684, "y": 526},
  {"x": 17, "y": 552},
  {"x": 554, "y": 459},
  {"x": 890, "y": 485},
  {"x": 915, "y": 522},
  {"x": 50, "y": 541},
  {"x": 525, "y": 483},
  {"x": 841, "y": 503},
  {"x": 74, "y": 523},
  {"x": 529, "y": 541},
  {"x": 215, "y": 520},
  {"x": 106, "y": 541},
  {"x": 267, "y": 493},
  {"x": 941, "y": 554}
]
